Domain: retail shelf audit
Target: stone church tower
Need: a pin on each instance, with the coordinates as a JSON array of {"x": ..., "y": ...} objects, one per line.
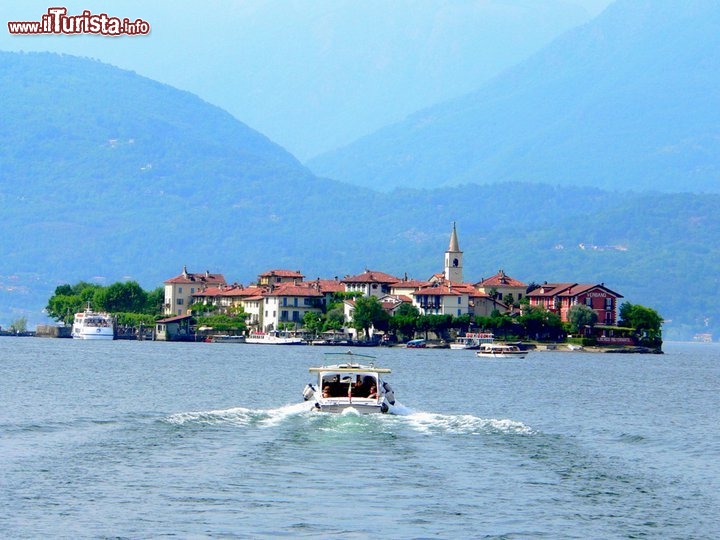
[{"x": 453, "y": 259}]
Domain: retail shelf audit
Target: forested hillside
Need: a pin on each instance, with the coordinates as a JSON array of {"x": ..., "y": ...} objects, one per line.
[{"x": 106, "y": 176}]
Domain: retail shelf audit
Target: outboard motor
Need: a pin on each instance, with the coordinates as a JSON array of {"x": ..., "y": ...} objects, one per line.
[
  {"x": 389, "y": 394},
  {"x": 308, "y": 392}
]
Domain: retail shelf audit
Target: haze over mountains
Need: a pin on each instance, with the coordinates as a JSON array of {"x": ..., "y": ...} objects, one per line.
[
  {"x": 628, "y": 101},
  {"x": 316, "y": 75}
]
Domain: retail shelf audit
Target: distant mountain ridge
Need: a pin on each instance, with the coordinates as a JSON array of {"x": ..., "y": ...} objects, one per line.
[
  {"x": 627, "y": 101},
  {"x": 107, "y": 176}
]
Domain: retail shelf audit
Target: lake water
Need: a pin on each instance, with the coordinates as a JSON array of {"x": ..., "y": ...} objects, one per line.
[{"x": 152, "y": 440}]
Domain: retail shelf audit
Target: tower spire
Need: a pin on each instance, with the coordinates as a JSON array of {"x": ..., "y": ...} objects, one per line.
[
  {"x": 453, "y": 259},
  {"x": 454, "y": 245}
]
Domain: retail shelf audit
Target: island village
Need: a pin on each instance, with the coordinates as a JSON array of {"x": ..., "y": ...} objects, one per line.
[{"x": 281, "y": 299}]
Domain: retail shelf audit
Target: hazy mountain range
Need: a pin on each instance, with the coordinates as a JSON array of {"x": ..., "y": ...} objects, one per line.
[
  {"x": 316, "y": 75},
  {"x": 106, "y": 175},
  {"x": 628, "y": 101}
]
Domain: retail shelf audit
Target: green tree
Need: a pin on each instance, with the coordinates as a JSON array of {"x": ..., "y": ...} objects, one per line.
[
  {"x": 541, "y": 324},
  {"x": 19, "y": 325},
  {"x": 122, "y": 297},
  {"x": 313, "y": 322},
  {"x": 404, "y": 320},
  {"x": 155, "y": 301},
  {"x": 63, "y": 307},
  {"x": 439, "y": 324},
  {"x": 369, "y": 313},
  {"x": 580, "y": 316},
  {"x": 461, "y": 323},
  {"x": 224, "y": 323},
  {"x": 334, "y": 319},
  {"x": 646, "y": 321}
]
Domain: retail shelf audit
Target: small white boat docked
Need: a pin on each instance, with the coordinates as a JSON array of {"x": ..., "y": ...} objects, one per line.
[
  {"x": 500, "y": 350},
  {"x": 348, "y": 384},
  {"x": 472, "y": 340},
  {"x": 274, "y": 337},
  {"x": 89, "y": 324}
]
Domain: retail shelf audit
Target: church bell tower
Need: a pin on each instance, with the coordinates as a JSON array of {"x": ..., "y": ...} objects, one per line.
[{"x": 453, "y": 259}]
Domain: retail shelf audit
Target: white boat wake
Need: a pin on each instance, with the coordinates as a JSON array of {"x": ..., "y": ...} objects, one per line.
[{"x": 424, "y": 422}]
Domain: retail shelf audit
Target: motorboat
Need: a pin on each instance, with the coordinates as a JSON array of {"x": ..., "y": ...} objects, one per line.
[
  {"x": 93, "y": 325},
  {"x": 350, "y": 381},
  {"x": 472, "y": 340},
  {"x": 332, "y": 338},
  {"x": 274, "y": 337},
  {"x": 416, "y": 344},
  {"x": 500, "y": 350},
  {"x": 225, "y": 338}
]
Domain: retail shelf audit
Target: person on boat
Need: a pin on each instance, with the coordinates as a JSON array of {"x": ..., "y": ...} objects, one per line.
[
  {"x": 326, "y": 391},
  {"x": 361, "y": 387},
  {"x": 373, "y": 391}
]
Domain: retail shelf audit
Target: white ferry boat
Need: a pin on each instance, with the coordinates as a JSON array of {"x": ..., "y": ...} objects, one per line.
[
  {"x": 90, "y": 324},
  {"x": 274, "y": 337},
  {"x": 499, "y": 350},
  {"x": 472, "y": 340},
  {"x": 347, "y": 384}
]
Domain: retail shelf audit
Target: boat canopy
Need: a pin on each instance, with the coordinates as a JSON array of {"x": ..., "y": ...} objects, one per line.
[
  {"x": 349, "y": 368},
  {"x": 349, "y": 362}
]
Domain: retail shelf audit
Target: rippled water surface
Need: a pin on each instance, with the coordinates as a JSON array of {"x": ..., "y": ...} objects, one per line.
[{"x": 150, "y": 440}]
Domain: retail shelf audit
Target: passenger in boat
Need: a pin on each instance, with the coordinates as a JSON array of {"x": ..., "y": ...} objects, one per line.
[
  {"x": 358, "y": 388},
  {"x": 373, "y": 391},
  {"x": 326, "y": 391},
  {"x": 363, "y": 386}
]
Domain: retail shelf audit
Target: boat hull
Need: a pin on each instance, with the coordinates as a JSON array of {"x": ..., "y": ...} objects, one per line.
[
  {"x": 340, "y": 406},
  {"x": 501, "y": 355},
  {"x": 275, "y": 341},
  {"x": 96, "y": 334}
]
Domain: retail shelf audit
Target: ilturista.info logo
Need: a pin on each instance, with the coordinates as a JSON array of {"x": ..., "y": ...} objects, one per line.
[{"x": 57, "y": 21}]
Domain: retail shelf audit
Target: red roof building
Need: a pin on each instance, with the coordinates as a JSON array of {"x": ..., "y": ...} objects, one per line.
[
  {"x": 560, "y": 297},
  {"x": 274, "y": 277},
  {"x": 180, "y": 289},
  {"x": 370, "y": 283},
  {"x": 288, "y": 303},
  {"x": 501, "y": 286}
]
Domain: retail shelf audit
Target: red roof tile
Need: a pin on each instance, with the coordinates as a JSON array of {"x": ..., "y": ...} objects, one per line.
[
  {"x": 283, "y": 273},
  {"x": 371, "y": 276},
  {"x": 189, "y": 278},
  {"x": 500, "y": 280},
  {"x": 290, "y": 289}
]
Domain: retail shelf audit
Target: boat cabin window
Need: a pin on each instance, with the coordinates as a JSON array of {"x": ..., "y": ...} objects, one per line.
[{"x": 359, "y": 384}]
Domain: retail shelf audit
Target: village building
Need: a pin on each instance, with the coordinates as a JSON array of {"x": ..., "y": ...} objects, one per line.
[
  {"x": 275, "y": 277},
  {"x": 179, "y": 290},
  {"x": 225, "y": 300},
  {"x": 501, "y": 287},
  {"x": 406, "y": 287},
  {"x": 174, "y": 328},
  {"x": 369, "y": 283},
  {"x": 560, "y": 297},
  {"x": 441, "y": 299},
  {"x": 287, "y": 304}
]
